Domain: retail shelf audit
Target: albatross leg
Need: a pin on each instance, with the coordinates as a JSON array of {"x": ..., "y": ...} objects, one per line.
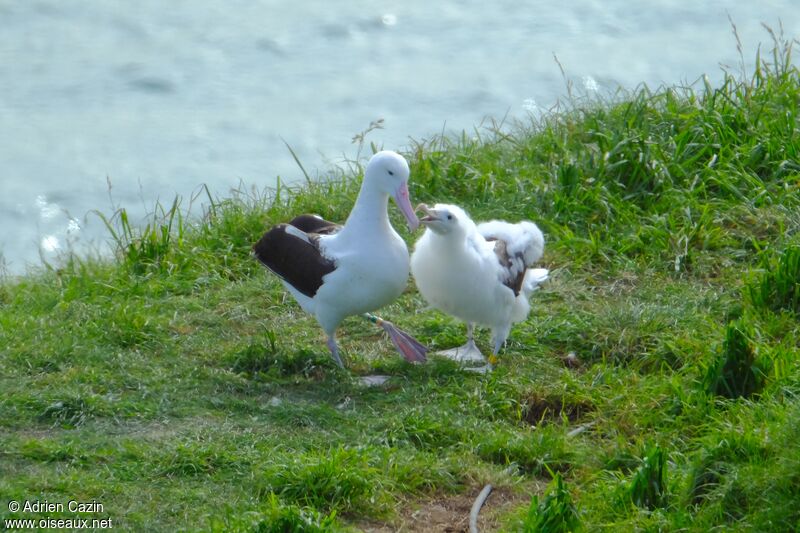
[
  {"x": 499, "y": 338},
  {"x": 469, "y": 353},
  {"x": 334, "y": 350}
]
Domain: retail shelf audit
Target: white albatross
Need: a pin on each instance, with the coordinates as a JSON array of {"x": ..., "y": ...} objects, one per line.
[
  {"x": 337, "y": 271},
  {"x": 480, "y": 274}
]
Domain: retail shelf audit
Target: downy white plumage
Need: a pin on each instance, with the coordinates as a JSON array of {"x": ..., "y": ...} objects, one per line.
[{"x": 480, "y": 274}]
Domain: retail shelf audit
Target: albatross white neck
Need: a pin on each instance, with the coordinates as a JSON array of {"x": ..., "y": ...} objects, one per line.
[{"x": 369, "y": 215}]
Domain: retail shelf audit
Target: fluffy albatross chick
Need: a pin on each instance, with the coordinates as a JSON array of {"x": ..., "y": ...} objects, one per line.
[
  {"x": 480, "y": 274},
  {"x": 336, "y": 271}
]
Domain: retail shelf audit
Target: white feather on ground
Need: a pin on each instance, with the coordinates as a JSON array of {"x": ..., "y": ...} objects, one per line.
[{"x": 480, "y": 274}]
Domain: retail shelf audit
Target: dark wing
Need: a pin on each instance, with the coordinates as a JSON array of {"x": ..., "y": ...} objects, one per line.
[
  {"x": 295, "y": 257},
  {"x": 513, "y": 266},
  {"x": 314, "y": 224}
]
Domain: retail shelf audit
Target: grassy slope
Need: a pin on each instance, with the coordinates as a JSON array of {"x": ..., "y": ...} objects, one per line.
[{"x": 182, "y": 389}]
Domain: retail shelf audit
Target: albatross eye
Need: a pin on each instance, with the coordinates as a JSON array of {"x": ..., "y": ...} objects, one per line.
[
  {"x": 390, "y": 172},
  {"x": 449, "y": 217}
]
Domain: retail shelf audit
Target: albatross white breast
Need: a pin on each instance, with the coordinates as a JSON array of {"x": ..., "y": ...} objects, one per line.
[
  {"x": 336, "y": 271},
  {"x": 480, "y": 274}
]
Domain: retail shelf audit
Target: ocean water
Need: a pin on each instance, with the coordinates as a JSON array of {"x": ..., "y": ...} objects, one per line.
[{"x": 112, "y": 103}]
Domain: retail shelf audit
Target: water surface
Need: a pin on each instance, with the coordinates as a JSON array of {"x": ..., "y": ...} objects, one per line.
[{"x": 108, "y": 103}]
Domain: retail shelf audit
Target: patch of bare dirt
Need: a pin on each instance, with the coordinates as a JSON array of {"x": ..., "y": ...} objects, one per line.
[
  {"x": 449, "y": 514},
  {"x": 542, "y": 410}
]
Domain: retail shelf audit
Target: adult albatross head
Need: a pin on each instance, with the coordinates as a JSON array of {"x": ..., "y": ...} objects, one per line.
[{"x": 388, "y": 173}]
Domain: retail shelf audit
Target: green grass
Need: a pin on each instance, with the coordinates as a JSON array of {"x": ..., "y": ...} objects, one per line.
[
  {"x": 555, "y": 513},
  {"x": 778, "y": 288},
  {"x": 735, "y": 373},
  {"x": 648, "y": 486},
  {"x": 180, "y": 386}
]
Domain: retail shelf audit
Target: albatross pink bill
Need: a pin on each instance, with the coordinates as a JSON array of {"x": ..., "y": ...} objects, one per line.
[{"x": 404, "y": 203}]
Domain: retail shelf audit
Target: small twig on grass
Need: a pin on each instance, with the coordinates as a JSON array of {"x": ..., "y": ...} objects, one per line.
[
  {"x": 481, "y": 499},
  {"x": 580, "y": 429},
  {"x": 476, "y": 508}
]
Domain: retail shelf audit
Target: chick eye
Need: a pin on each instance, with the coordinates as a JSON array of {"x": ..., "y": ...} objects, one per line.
[
  {"x": 390, "y": 172},
  {"x": 449, "y": 217}
]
